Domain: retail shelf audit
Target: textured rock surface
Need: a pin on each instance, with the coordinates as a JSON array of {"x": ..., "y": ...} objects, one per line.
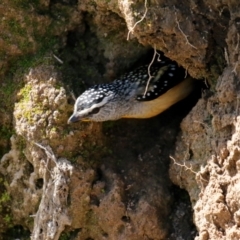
[
  {"x": 116, "y": 195},
  {"x": 210, "y": 146},
  {"x": 111, "y": 180}
]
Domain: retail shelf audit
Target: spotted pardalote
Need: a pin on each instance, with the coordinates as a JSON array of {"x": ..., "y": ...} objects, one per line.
[{"x": 142, "y": 93}]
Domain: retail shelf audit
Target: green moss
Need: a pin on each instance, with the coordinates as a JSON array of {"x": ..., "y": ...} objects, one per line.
[
  {"x": 30, "y": 107},
  {"x": 16, "y": 28},
  {"x": 23, "y": 103},
  {"x": 8, "y": 219},
  {"x": 5, "y": 197},
  {"x": 5, "y": 209},
  {"x": 29, "y": 113},
  {"x": 25, "y": 93}
]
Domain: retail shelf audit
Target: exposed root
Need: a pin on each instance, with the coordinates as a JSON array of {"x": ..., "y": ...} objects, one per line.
[
  {"x": 198, "y": 175},
  {"x": 206, "y": 82},
  {"x": 73, "y": 96},
  {"x": 164, "y": 42},
  {"x": 187, "y": 168},
  {"x": 149, "y": 68},
  {"x": 236, "y": 52},
  {"x": 226, "y": 56},
  {"x": 237, "y": 106},
  {"x": 142, "y": 18},
  {"x": 58, "y": 59},
  {"x": 186, "y": 72},
  {"x": 186, "y": 37},
  {"x": 237, "y": 46},
  {"x": 235, "y": 67}
]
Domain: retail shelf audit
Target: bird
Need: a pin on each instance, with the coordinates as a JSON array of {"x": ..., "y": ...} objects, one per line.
[{"x": 142, "y": 93}]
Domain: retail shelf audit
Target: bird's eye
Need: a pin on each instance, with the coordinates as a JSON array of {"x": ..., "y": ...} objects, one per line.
[{"x": 95, "y": 110}]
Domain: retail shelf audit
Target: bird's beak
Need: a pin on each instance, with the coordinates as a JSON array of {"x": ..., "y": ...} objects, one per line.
[{"x": 73, "y": 119}]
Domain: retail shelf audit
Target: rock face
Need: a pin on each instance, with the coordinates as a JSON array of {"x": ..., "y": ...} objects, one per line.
[
  {"x": 115, "y": 180},
  {"x": 209, "y": 146}
]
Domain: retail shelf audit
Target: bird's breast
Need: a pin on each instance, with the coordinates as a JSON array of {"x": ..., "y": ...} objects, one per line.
[{"x": 147, "y": 109}]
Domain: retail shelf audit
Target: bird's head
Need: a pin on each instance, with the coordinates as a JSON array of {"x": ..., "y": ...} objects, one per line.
[{"x": 93, "y": 105}]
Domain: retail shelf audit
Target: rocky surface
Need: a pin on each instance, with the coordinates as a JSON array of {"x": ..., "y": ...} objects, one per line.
[
  {"x": 111, "y": 181},
  {"x": 209, "y": 147}
]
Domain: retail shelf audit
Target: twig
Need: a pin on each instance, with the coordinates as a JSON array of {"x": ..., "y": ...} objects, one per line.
[
  {"x": 158, "y": 54},
  {"x": 164, "y": 42},
  {"x": 149, "y": 69},
  {"x": 144, "y": 15},
  {"x": 188, "y": 169},
  {"x": 73, "y": 96},
  {"x": 226, "y": 56},
  {"x": 205, "y": 82},
  {"x": 237, "y": 106},
  {"x": 58, "y": 59},
  {"x": 236, "y": 48},
  {"x": 235, "y": 67},
  {"x": 183, "y": 165},
  {"x": 48, "y": 152},
  {"x": 186, "y": 37},
  {"x": 186, "y": 71}
]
